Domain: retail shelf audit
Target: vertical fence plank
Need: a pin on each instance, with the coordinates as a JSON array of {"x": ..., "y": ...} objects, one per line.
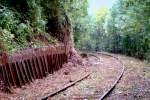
[
  {"x": 22, "y": 74},
  {"x": 39, "y": 67},
  {"x": 43, "y": 65},
  {"x": 46, "y": 63},
  {"x": 36, "y": 64},
  {"x": 32, "y": 68},
  {"x": 3, "y": 75},
  {"x": 16, "y": 74},
  {"x": 7, "y": 75},
  {"x": 12, "y": 75},
  {"x": 36, "y": 67},
  {"x": 25, "y": 70}
]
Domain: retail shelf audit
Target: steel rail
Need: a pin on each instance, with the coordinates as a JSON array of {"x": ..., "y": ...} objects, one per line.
[
  {"x": 65, "y": 87},
  {"x": 105, "y": 94}
]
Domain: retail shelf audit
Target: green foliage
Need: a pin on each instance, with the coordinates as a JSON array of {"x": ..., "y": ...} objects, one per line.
[
  {"x": 125, "y": 28},
  {"x": 129, "y": 28},
  {"x": 8, "y": 20},
  {"x": 77, "y": 12},
  {"x": 23, "y": 19},
  {"x": 101, "y": 14},
  {"x": 91, "y": 35},
  {"x": 6, "y": 40},
  {"x": 83, "y": 39}
]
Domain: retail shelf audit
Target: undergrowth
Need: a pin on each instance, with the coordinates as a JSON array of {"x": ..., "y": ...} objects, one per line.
[{"x": 16, "y": 31}]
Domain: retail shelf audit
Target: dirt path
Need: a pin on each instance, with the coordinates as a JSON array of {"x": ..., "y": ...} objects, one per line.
[
  {"x": 135, "y": 83},
  {"x": 104, "y": 74}
]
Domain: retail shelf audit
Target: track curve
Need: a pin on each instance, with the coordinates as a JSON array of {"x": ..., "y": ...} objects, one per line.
[{"x": 117, "y": 79}]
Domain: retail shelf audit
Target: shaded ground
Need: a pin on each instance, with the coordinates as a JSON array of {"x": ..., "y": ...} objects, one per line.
[
  {"x": 104, "y": 74},
  {"x": 103, "y": 71},
  {"x": 40, "y": 87},
  {"x": 134, "y": 85}
]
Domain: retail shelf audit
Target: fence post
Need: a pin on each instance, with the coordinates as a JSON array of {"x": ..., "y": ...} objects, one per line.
[{"x": 3, "y": 60}]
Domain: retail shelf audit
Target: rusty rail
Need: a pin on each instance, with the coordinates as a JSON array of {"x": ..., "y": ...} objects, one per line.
[
  {"x": 24, "y": 67},
  {"x": 108, "y": 91}
]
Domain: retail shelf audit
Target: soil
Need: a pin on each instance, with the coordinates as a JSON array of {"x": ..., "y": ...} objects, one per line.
[
  {"x": 134, "y": 85},
  {"x": 104, "y": 73}
]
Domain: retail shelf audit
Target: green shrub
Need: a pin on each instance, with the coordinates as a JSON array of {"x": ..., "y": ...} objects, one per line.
[
  {"x": 6, "y": 40},
  {"x": 147, "y": 56},
  {"x": 8, "y": 20}
]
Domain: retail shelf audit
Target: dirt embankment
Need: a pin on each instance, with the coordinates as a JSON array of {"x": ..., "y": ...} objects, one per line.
[{"x": 134, "y": 85}]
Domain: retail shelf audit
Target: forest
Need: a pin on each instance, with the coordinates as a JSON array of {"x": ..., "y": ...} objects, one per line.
[
  {"x": 125, "y": 28},
  {"x": 65, "y": 50}
]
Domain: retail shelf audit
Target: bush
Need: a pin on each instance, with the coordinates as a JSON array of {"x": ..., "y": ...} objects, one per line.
[
  {"x": 147, "y": 56},
  {"x": 8, "y": 20},
  {"x": 6, "y": 40},
  {"x": 17, "y": 29}
]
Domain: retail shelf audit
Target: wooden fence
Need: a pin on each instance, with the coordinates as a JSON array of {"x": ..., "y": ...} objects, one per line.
[{"x": 24, "y": 67}]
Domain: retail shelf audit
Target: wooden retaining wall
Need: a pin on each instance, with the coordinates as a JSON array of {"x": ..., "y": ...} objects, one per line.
[{"x": 24, "y": 67}]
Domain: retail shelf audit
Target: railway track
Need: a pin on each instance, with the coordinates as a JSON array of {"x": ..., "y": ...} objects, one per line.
[
  {"x": 117, "y": 80},
  {"x": 107, "y": 92}
]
